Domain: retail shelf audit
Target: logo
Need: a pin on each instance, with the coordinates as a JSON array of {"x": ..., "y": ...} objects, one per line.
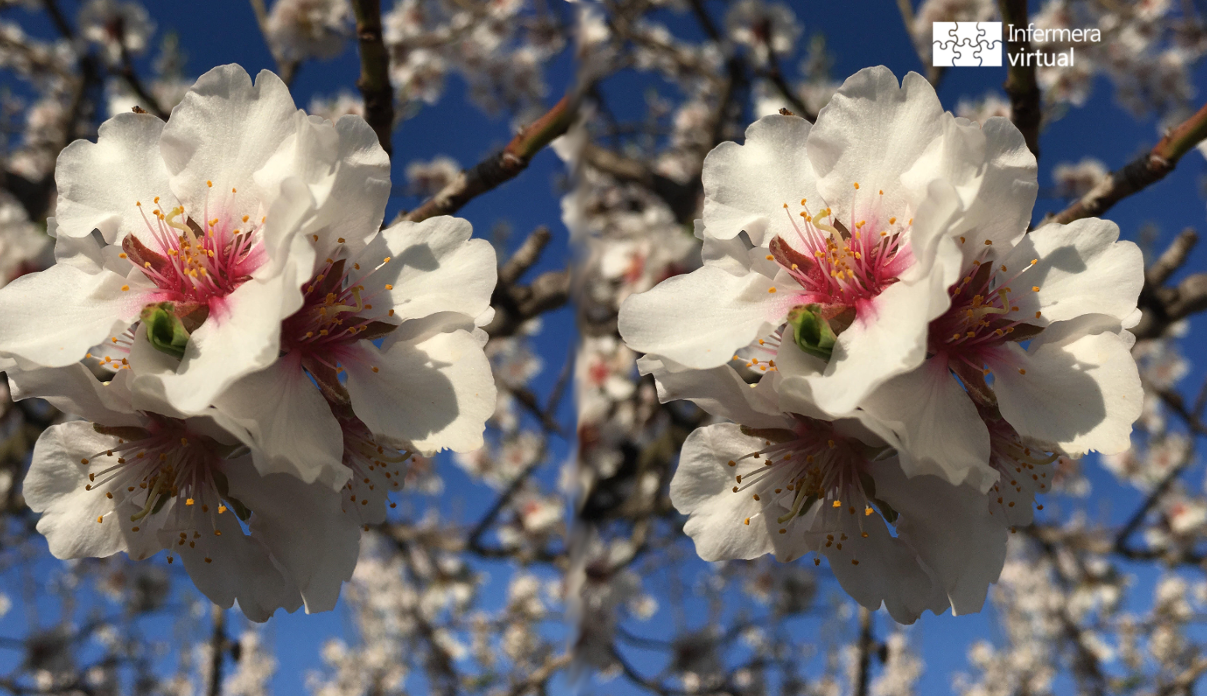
[{"x": 967, "y": 44}]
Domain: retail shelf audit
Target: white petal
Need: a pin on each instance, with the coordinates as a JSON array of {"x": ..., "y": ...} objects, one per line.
[
  {"x": 887, "y": 571},
  {"x": 224, "y": 130},
  {"x": 699, "y": 319},
  {"x": 1081, "y": 269},
  {"x": 703, "y": 488},
  {"x": 239, "y": 568},
  {"x": 888, "y": 338},
  {"x": 54, "y": 487},
  {"x": 53, "y": 317},
  {"x": 434, "y": 267},
  {"x": 1081, "y": 394},
  {"x": 956, "y": 157},
  {"x": 74, "y": 389},
  {"x": 290, "y": 424},
  {"x": 746, "y": 186},
  {"x": 100, "y": 183},
  {"x": 356, "y": 203},
  {"x": 719, "y": 391},
  {"x": 871, "y": 133},
  {"x": 938, "y": 429},
  {"x": 951, "y": 530},
  {"x": 435, "y": 394},
  {"x": 304, "y": 528},
  {"x": 1001, "y": 208}
]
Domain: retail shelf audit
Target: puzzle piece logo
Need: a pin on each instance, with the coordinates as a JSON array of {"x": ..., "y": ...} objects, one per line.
[{"x": 967, "y": 44}]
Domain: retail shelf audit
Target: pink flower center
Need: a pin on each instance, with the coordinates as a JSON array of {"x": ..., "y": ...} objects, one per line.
[
  {"x": 195, "y": 262},
  {"x": 330, "y": 318},
  {"x": 843, "y": 266},
  {"x": 982, "y": 317}
]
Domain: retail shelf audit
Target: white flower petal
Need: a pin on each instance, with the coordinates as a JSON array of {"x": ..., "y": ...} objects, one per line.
[
  {"x": 719, "y": 391},
  {"x": 699, "y": 319},
  {"x": 746, "y": 186},
  {"x": 1082, "y": 393},
  {"x": 238, "y": 568},
  {"x": 55, "y": 485},
  {"x": 100, "y": 183},
  {"x": 888, "y": 338},
  {"x": 951, "y": 530},
  {"x": 1081, "y": 269},
  {"x": 887, "y": 571},
  {"x": 303, "y": 526},
  {"x": 703, "y": 488},
  {"x": 434, "y": 394},
  {"x": 434, "y": 267},
  {"x": 1001, "y": 208},
  {"x": 52, "y": 318},
  {"x": 289, "y": 422},
  {"x": 937, "y": 427},
  {"x": 224, "y": 130},
  {"x": 74, "y": 389},
  {"x": 239, "y": 338},
  {"x": 871, "y": 132}
]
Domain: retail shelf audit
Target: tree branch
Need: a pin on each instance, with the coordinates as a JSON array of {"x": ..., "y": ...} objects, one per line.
[
  {"x": 502, "y": 166},
  {"x": 217, "y": 651},
  {"x": 864, "y": 646},
  {"x": 374, "y": 82},
  {"x": 1140, "y": 173}
]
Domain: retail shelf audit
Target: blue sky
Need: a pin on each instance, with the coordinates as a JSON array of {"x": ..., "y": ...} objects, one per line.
[{"x": 213, "y": 33}]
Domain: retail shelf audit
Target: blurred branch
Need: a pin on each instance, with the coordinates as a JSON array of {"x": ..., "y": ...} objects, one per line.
[
  {"x": 217, "y": 651},
  {"x": 1140, "y": 173},
  {"x": 1183, "y": 683},
  {"x": 1021, "y": 85},
  {"x": 516, "y": 304},
  {"x": 503, "y": 165},
  {"x": 474, "y": 540},
  {"x": 286, "y": 70},
  {"x": 131, "y": 77},
  {"x": 934, "y": 74},
  {"x": 776, "y": 78},
  {"x": 864, "y": 646},
  {"x": 1151, "y": 500},
  {"x": 374, "y": 82},
  {"x": 526, "y": 256},
  {"x": 538, "y": 678},
  {"x": 1164, "y": 305},
  {"x": 680, "y": 198}
]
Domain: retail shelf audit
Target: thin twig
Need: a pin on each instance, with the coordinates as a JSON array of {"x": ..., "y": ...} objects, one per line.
[
  {"x": 1140, "y": 173},
  {"x": 131, "y": 77},
  {"x": 501, "y": 166},
  {"x": 1151, "y": 500},
  {"x": 286, "y": 69},
  {"x": 374, "y": 82}
]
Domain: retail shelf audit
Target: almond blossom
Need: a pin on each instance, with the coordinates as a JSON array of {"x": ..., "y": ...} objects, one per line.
[
  {"x": 848, "y": 225},
  {"x": 793, "y": 484},
  {"x": 140, "y": 482},
  {"x": 1066, "y": 291},
  {"x": 205, "y": 222},
  {"x": 422, "y": 287}
]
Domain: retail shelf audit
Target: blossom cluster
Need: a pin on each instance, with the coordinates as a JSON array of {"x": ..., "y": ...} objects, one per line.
[
  {"x": 253, "y": 359},
  {"x": 901, "y": 361}
]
